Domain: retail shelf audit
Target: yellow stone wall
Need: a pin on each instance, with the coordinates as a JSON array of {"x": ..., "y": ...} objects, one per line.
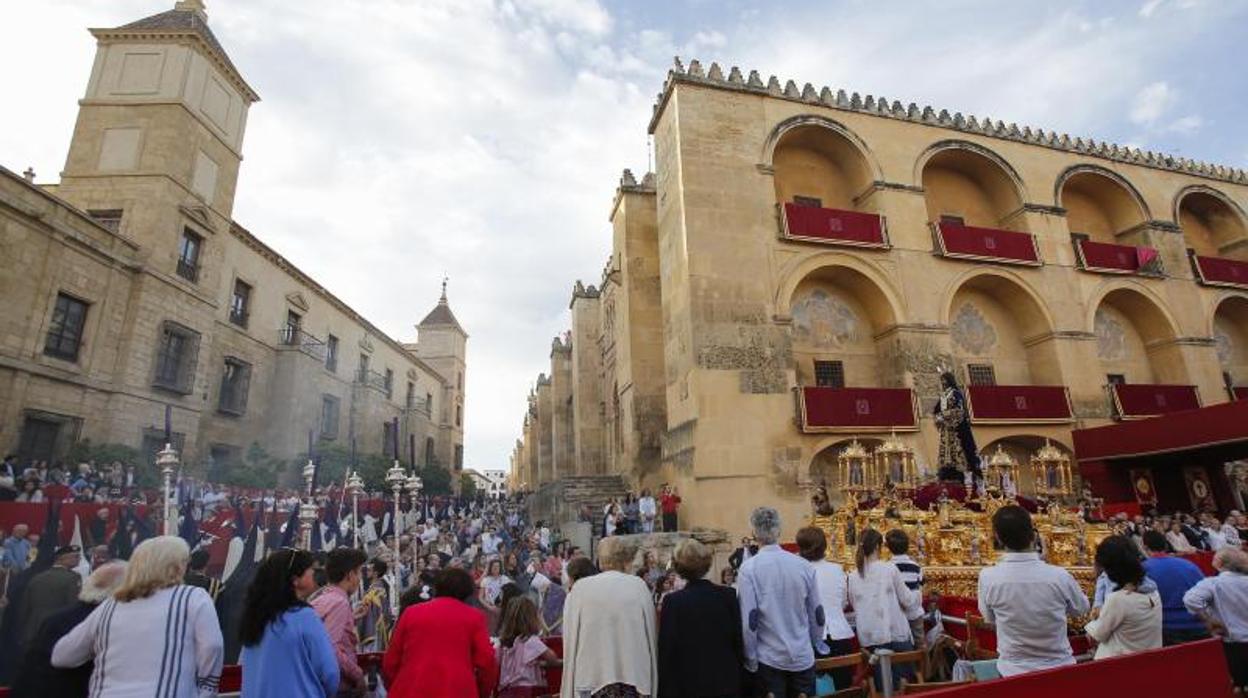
[{"x": 736, "y": 298}]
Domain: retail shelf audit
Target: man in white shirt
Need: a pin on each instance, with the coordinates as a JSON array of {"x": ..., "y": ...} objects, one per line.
[
  {"x": 1028, "y": 600},
  {"x": 489, "y": 542}
]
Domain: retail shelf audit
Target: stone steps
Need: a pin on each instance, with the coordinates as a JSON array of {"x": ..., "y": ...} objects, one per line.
[{"x": 562, "y": 499}]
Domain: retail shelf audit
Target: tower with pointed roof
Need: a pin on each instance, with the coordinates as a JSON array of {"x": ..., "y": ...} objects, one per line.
[{"x": 443, "y": 344}]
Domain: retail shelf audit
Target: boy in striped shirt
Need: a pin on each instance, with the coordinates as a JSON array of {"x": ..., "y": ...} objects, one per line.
[{"x": 898, "y": 544}]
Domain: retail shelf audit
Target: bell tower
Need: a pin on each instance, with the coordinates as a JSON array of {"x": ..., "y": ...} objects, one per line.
[{"x": 160, "y": 130}]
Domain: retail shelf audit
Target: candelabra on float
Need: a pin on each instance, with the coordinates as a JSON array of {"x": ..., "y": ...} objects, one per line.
[
  {"x": 354, "y": 485},
  {"x": 854, "y": 476},
  {"x": 895, "y": 468},
  {"x": 167, "y": 461},
  {"x": 307, "y": 507}
]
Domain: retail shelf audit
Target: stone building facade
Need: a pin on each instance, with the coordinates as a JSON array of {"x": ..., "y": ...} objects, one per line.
[
  {"x": 128, "y": 286},
  {"x": 804, "y": 262}
]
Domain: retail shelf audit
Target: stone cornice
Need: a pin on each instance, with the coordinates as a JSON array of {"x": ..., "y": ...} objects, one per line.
[
  {"x": 277, "y": 260},
  {"x": 217, "y": 57},
  {"x": 880, "y": 106}
]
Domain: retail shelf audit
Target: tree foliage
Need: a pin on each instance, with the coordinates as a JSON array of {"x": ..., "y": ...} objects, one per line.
[{"x": 467, "y": 485}]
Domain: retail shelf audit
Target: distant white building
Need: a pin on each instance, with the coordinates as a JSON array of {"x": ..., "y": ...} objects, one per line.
[{"x": 491, "y": 482}]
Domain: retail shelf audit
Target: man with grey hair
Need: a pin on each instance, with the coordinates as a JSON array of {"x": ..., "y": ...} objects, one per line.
[
  {"x": 781, "y": 617},
  {"x": 36, "y": 675}
]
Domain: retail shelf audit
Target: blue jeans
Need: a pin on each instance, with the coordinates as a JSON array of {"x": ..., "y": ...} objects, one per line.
[{"x": 784, "y": 684}]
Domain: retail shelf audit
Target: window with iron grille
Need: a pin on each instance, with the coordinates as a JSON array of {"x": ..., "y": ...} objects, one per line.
[
  {"x": 808, "y": 201},
  {"x": 175, "y": 358},
  {"x": 389, "y": 383},
  {"x": 329, "y": 417},
  {"x": 459, "y": 456},
  {"x": 429, "y": 457},
  {"x": 331, "y": 353},
  {"x": 981, "y": 374},
  {"x": 235, "y": 380},
  {"x": 829, "y": 374},
  {"x": 240, "y": 303},
  {"x": 188, "y": 255},
  {"x": 1116, "y": 379},
  {"x": 64, "y": 339},
  {"x": 108, "y": 218},
  {"x": 953, "y": 220}
]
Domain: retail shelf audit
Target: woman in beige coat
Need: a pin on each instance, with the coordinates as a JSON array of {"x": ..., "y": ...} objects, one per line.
[{"x": 609, "y": 631}]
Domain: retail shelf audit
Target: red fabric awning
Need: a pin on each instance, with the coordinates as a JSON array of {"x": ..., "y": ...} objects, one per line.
[
  {"x": 1219, "y": 271},
  {"x": 1215, "y": 425},
  {"x": 1240, "y": 392},
  {"x": 1019, "y": 403},
  {"x": 835, "y": 226},
  {"x": 987, "y": 244},
  {"x": 856, "y": 409},
  {"x": 1150, "y": 400}
]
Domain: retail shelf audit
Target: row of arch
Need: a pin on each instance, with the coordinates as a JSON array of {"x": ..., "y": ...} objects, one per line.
[
  {"x": 816, "y": 159},
  {"x": 843, "y": 307}
]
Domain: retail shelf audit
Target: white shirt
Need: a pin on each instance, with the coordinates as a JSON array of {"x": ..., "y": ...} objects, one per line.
[
  {"x": 1029, "y": 601},
  {"x": 1129, "y": 622},
  {"x": 1216, "y": 539},
  {"x": 489, "y": 543},
  {"x": 646, "y": 507},
  {"x": 1179, "y": 542},
  {"x": 1225, "y": 597},
  {"x": 833, "y": 587},
  {"x": 127, "y": 640},
  {"x": 882, "y": 602}
]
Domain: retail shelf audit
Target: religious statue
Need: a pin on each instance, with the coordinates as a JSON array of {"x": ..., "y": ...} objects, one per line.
[
  {"x": 819, "y": 500},
  {"x": 958, "y": 453}
]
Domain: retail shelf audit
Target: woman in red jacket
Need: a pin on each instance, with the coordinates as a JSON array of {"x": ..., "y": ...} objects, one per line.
[{"x": 441, "y": 648}]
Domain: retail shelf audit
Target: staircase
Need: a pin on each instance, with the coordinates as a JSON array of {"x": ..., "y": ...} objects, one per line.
[{"x": 561, "y": 500}]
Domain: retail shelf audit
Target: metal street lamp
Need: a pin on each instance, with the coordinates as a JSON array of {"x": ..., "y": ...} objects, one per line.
[
  {"x": 307, "y": 509},
  {"x": 397, "y": 479},
  {"x": 354, "y": 485}
]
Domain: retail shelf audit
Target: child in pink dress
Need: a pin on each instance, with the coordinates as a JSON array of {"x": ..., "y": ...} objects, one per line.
[{"x": 522, "y": 656}]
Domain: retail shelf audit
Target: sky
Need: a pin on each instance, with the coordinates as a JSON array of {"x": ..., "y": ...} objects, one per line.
[{"x": 401, "y": 140}]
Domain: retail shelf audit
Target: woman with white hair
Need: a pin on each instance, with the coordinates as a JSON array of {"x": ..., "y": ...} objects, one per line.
[
  {"x": 36, "y": 676},
  {"x": 154, "y": 636},
  {"x": 609, "y": 633}
]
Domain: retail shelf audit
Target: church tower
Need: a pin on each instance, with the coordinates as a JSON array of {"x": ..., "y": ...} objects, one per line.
[
  {"x": 442, "y": 343},
  {"x": 158, "y": 142}
]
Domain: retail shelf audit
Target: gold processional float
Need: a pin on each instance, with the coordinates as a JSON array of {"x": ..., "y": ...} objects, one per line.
[{"x": 953, "y": 541}]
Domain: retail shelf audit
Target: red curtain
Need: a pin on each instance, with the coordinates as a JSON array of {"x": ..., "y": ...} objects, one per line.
[
  {"x": 833, "y": 225},
  {"x": 858, "y": 407},
  {"x": 1218, "y": 270},
  {"x": 1019, "y": 402},
  {"x": 989, "y": 243},
  {"x": 1216, "y": 424}
]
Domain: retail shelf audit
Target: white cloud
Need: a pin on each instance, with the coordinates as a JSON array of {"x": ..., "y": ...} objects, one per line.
[
  {"x": 1148, "y": 8},
  {"x": 1151, "y": 103},
  {"x": 1186, "y": 125}
]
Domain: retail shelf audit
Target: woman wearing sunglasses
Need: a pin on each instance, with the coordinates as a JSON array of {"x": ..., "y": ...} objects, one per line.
[{"x": 286, "y": 651}]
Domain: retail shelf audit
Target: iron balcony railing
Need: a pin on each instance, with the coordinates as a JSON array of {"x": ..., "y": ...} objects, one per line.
[{"x": 295, "y": 338}]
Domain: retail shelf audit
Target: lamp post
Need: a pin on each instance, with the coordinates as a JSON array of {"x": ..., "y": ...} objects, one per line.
[
  {"x": 167, "y": 460},
  {"x": 397, "y": 479},
  {"x": 354, "y": 485}
]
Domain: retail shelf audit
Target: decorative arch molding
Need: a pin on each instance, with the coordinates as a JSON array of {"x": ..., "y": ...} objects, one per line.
[
  {"x": 794, "y": 122},
  {"x": 1088, "y": 168},
  {"x": 1025, "y": 436},
  {"x": 1215, "y": 193},
  {"x": 1148, "y": 295},
  {"x": 805, "y": 474},
  {"x": 955, "y": 144},
  {"x": 1042, "y": 316},
  {"x": 1216, "y": 304},
  {"x": 794, "y": 273}
]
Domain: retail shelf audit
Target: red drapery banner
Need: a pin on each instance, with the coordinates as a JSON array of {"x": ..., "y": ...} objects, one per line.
[
  {"x": 1150, "y": 400},
  {"x": 834, "y": 226},
  {"x": 987, "y": 244},
  {"x": 835, "y": 409},
  {"x": 1114, "y": 259},
  {"x": 1019, "y": 403},
  {"x": 1240, "y": 392},
  {"x": 1219, "y": 271},
  {"x": 1199, "y": 489},
  {"x": 1225, "y": 422}
]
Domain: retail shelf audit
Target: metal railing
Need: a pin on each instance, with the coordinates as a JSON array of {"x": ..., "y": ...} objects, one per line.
[
  {"x": 370, "y": 379},
  {"x": 296, "y": 338}
]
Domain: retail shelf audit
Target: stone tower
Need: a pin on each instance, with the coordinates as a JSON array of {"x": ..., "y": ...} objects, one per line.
[
  {"x": 443, "y": 344},
  {"x": 160, "y": 131}
]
